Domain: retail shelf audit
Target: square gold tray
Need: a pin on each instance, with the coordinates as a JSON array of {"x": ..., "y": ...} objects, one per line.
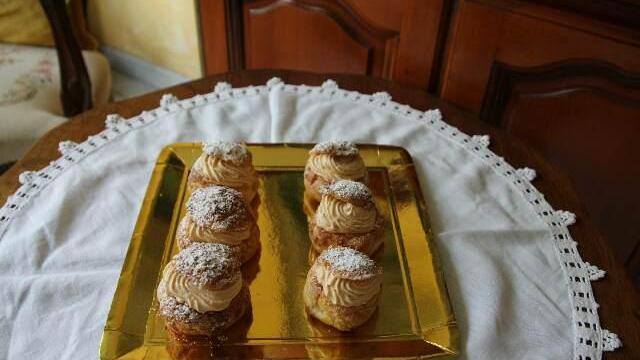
[{"x": 414, "y": 318}]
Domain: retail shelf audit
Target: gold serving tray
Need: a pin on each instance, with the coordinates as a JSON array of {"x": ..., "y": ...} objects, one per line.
[{"x": 414, "y": 318}]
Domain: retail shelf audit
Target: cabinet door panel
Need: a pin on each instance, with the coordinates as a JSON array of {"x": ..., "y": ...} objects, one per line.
[
  {"x": 397, "y": 40},
  {"x": 279, "y": 35},
  {"x": 519, "y": 33}
]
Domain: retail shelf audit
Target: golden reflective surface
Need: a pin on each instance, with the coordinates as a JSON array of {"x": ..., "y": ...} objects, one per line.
[{"x": 414, "y": 318}]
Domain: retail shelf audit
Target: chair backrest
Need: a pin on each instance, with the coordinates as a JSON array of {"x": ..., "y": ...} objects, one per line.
[
  {"x": 584, "y": 117},
  {"x": 75, "y": 92}
]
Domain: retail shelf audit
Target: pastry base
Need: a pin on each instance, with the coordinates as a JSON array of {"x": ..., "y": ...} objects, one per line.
[
  {"x": 341, "y": 347},
  {"x": 198, "y": 347},
  {"x": 247, "y": 248},
  {"x": 344, "y": 318},
  {"x": 367, "y": 243},
  {"x": 310, "y": 204},
  {"x": 312, "y": 184},
  {"x": 197, "y": 180},
  {"x": 254, "y": 205},
  {"x": 251, "y": 267},
  {"x": 209, "y": 323}
]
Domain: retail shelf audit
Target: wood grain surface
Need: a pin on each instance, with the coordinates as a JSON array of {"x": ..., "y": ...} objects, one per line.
[
  {"x": 619, "y": 299},
  {"x": 521, "y": 33},
  {"x": 401, "y": 40}
]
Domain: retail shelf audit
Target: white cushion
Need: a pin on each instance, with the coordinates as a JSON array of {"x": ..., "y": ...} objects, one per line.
[{"x": 30, "y": 94}]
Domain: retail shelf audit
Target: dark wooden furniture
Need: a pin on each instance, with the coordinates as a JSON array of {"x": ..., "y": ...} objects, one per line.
[
  {"x": 619, "y": 298},
  {"x": 525, "y": 34},
  {"x": 622, "y": 12},
  {"x": 75, "y": 92},
  {"x": 450, "y": 49},
  {"x": 584, "y": 117},
  {"x": 445, "y": 46},
  {"x": 398, "y": 40}
]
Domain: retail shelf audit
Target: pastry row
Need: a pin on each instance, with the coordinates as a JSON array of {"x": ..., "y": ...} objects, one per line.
[
  {"x": 202, "y": 290},
  {"x": 345, "y": 228}
]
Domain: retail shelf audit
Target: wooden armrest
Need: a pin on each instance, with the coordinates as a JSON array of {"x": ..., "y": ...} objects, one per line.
[{"x": 75, "y": 91}]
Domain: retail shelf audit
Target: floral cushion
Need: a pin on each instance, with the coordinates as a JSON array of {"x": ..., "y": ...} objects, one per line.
[{"x": 30, "y": 94}]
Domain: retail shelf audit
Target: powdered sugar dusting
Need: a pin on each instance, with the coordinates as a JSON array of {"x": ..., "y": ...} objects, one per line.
[
  {"x": 227, "y": 151},
  {"x": 217, "y": 207},
  {"x": 349, "y": 261},
  {"x": 171, "y": 308},
  {"x": 338, "y": 148},
  {"x": 206, "y": 263},
  {"x": 348, "y": 190}
]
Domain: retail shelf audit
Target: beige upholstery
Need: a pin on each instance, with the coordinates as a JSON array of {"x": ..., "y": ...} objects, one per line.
[{"x": 30, "y": 94}]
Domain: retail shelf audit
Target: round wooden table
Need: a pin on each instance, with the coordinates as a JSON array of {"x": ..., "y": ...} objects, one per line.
[{"x": 619, "y": 299}]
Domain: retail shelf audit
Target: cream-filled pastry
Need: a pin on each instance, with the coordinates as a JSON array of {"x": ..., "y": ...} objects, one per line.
[
  {"x": 228, "y": 164},
  {"x": 202, "y": 290},
  {"x": 342, "y": 288},
  {"x": 332, "y": 161},
  {"x": 218, "y": 214},
  {"x": 347, "y": 216}
]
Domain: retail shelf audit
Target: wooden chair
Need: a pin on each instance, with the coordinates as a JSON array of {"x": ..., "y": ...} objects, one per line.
[
  {"x": 584, "y": 117},
  {"x": 75, "y": 90},
  {"x": 41, "y": 87}
]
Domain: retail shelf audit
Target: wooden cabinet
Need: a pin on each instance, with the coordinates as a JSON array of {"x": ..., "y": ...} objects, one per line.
[
  {"x": 572, "y": 67},
  {"x": 395, "y": 40},
  {"x": 522, "y": 34},
  {"x": 568, "y": 85},
  {"x": 334, "y": 38}
]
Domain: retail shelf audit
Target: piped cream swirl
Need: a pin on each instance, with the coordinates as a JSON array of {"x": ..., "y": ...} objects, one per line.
[
  {"x": 340, "y": 216},
  {"x": 241, "y": 177},
  {"x": 203, "y": 234},
  {"x": 199, "y": 298},
  {"x": 332, "y": 168},
  {"x": 346, "y": 292}
]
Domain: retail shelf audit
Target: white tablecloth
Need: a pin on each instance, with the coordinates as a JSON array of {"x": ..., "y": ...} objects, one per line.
[{"x": 509, "y": 261}]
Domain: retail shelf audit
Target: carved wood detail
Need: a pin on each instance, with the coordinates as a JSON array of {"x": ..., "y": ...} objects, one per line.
[
  {"x": 521, "y": 33},
  {"x": 379, "y": 44},
  {"x": 401, "y": 40}
]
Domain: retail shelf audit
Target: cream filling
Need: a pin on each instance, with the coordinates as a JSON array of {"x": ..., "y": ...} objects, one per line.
[
  {"x": 203, "y": 234},
  {"x": 345, "y": 292},
  {"x": 342, "y": 217},
  {"x": 199, "y": 298},
  {"x": 241, "y": 177},
  {"x": 332, "y": 168}
]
